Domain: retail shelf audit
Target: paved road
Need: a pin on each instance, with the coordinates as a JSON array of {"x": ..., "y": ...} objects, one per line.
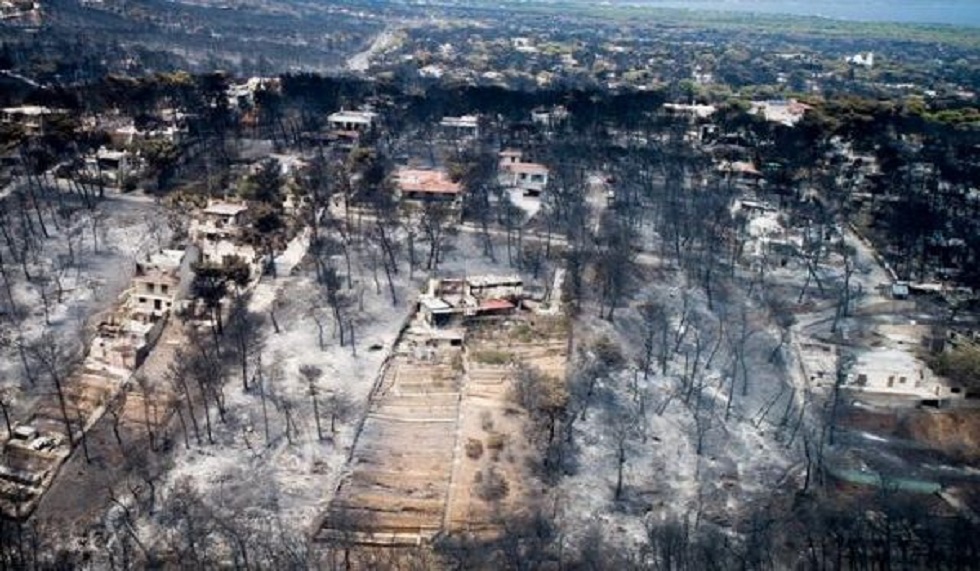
[
  {"x": 361, "y": 61},
  {"x": 643, "y": 258}
]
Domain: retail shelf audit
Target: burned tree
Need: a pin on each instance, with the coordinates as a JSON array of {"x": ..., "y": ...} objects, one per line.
[
  {"x": 211, "y": 283},
  {"x": 245, "y": 331},
  {"x": 311, "y": 374}
]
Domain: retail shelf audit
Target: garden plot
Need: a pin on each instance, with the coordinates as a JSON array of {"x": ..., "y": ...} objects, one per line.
[{"x": 490, "y": 478}]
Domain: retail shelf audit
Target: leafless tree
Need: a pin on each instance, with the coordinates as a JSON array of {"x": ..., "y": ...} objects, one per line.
[
  {"x": 312, "y": 374},
  {"x": 615, "y": 261},
  {"x": 626, "y": 425},
  {"x": 656, "y": 332},
  {"x": 147, "y": 391},
  {"x": 48, "y": 354},
  {"x": 245, "y": 330},
  {"x": 6, "y": 400},
  {"x": 738, "y": 337},
  {"x": 180, "y": 374},
  {"x": 340, "y": 407},
  {"x": 83, "y": 436},
  {"x": 114, "y": 410},
  {"x": 340, "y": 303},
  {"x": 544, "y": 397},
  {"x": 260, "y": 381},
  {"x": 843, "y": 308},
  {"x": 436, "y": 228}
]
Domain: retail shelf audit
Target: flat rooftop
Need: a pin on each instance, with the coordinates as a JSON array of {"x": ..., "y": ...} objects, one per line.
[
  {"x": 527, "y": 168},
  {"x": 487, "y": 280},
  {"x": 364, "y": 117},
  {"x": 166, "y": 258},
  {"x": 701, "y": 111},
  {"x": 225, "y": 208},
  {"x": 467, "y": 121},
  {"x": 33, "y": 110}
]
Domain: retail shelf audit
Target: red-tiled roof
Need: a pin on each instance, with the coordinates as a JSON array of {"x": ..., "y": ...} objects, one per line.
[
  {"x": 427, "y": 181},
  {"x": 492, "y": 304}
]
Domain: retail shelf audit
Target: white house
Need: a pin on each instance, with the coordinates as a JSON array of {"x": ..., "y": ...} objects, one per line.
[
  {"x": 153, "y": 293},
  {"x": 531, "y": 178},
  {"x": 894, "y": 372},
  {"x": 863, "y": 59},
  {"x": 218, "y": 220},
  {"x": 693, "y": 110},
  {"x": 154, "y": 287},
  {"x": 466, "y": 126},
  {"x": 32, "y": 118},
  {"x": 549, "y": 117},
  {"x": 112, "y": 166},
  {"x": 216, "y": 229},
  {"x": 786, "y": 112},
  {"x": 742, "y": 173},
  {"x": 358, "y": 121},
  {"x": 509, "y": 157}
]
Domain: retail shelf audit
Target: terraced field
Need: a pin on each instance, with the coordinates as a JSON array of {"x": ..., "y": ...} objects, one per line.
[{"x": 442, "y": 447}]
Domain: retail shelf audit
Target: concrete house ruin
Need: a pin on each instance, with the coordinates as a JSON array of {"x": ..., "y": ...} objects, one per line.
[
  {"x": 464, "y": 127},
  {"x": 358, "y": 121},
  {"x": 530, "y": 178},
  {"x": 216, "y": 230},
  {"x": 451, "y": 301},
  {"x": 155, "y": 285},
  {"x": 896, "y": 373}
]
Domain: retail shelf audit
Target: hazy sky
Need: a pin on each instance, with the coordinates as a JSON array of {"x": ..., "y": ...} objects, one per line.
[{"x": 958, "y": 12}]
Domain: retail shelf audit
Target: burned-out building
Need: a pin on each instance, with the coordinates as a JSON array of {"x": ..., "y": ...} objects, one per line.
[
  {"x": 451, "y": 301},
  {"x": 463, "y": 127},
  {"x": 217, "y": 229},
  {"x": 513, "y": 172},
  {"x": 155, "y": 285},
  {"x": 358, "y": 121}
]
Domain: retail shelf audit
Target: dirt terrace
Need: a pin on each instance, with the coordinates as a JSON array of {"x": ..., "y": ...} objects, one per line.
[{"x": 442, "y": 449}]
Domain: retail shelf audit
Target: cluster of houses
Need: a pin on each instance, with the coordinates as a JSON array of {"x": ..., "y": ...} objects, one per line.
[
  {"x": 887, "y": 368},
  {"x": 121, "y": 161},
  {"x": 117, "y": 163},
  {"x": 434, "y": 185},
  {"x": 38, "y": 444}
]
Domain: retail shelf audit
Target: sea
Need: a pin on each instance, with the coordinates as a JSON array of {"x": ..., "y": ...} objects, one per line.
[{"x": 964, "y": 13}]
